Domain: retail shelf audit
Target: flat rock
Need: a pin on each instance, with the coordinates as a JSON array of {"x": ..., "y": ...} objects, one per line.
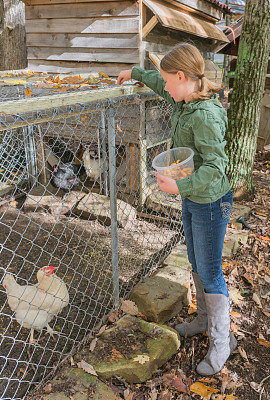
[
  {"x": 74, "y": 383},
  {"x": 97, "y": 206},
  {"x": 162, "y": 296},
  {"x": 40, "y": 199},
  {"x": 133, "y": 349},
  {"x": 239, "y": 210},
  {"x": 232, "y": 241}
]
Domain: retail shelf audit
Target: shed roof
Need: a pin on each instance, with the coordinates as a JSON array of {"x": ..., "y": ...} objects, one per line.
[
  {"x": 233, "y": 33},
  {"x": 181, "y": 20}
]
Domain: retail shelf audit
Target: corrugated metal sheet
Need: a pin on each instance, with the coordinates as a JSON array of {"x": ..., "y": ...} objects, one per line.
[{"x": 171, "y": 17}]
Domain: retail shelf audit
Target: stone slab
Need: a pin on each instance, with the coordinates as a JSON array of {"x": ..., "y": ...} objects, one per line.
[
  {"x": 79, "y": 385},
  {"x": 239, "y": 210},
  {"x": 160, "y": 343},
  {"x": 232, "y": 241},
  {"x": 97, "y": 206},
  {"x": 160, "y": 298}
]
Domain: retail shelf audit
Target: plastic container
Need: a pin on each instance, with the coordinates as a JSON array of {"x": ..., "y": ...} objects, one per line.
[{"x": 183, "y": 166}]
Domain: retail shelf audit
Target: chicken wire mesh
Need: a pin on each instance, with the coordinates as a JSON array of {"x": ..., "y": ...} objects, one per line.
[{"x": 77, "y": 194}]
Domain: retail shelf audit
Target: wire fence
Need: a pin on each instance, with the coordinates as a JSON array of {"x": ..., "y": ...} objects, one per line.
[{"x": 81, "y": 220}]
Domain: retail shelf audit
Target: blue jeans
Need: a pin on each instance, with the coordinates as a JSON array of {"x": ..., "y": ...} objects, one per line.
[{"x": 205, "y": 229}]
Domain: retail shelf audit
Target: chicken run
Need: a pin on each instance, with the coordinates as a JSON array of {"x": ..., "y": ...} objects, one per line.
[{"x": 68, "y": 252}]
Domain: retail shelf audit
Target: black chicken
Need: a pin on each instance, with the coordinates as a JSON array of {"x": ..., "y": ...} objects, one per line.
[{"x": 66, "y": 177}]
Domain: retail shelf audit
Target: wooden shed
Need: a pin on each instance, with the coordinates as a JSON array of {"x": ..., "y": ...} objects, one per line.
[
  {"x": 108, "y": 36},
  {"x": 231, "y": 48}
]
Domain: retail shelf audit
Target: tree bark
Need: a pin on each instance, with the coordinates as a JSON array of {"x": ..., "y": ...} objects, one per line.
[
  {"x": 245, "y": 107},
  {"x": 12, "y": 35}
]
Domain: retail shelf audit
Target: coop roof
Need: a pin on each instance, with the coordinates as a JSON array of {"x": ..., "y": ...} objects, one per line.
[{"x": 172, "y": 17}]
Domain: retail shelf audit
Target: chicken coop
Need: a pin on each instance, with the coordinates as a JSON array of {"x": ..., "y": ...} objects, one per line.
[
  {"x": 109, "y": 36},
  {"x": 75, "y": 211}
]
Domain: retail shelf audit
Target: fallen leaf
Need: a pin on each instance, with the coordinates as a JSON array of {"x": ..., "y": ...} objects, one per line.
[
  {"x": 118, "y": 128},
  {"x": 114, "y": 316},
  {"x": 263, "y": 342},
  {"x": 102, "y": 329},
  {"x": 86, "y": 367},
  {"x": 103, "y": 74},
  {"x": 28, "y": 92},
  {"x": 153, "y": 394},
  {"x": 192, "y": 308},
  {"x": 201, "y": 389},
  {"x": 235, "y": 314},
  {"x": 166, "y": 395},
  {"x": 129, "y": 307},
  {"x": 93, "y": 344},
  {"x": 72, "y": 80},
  {"x": 208, "y": 380},
  {"x": 139, "y": 84},
  {"x": 255, "y": 386},
  {"x": 62, "y": 89},
  {"x": 266, "y": 238},
  {"x": 235, "y": 296},
  {"x": 242, "y": 353},
  {"x": 142, "y": 359},
  {"x": 257, "y": 300},
  {"x": 16, "y": 82},
  {"x": 225, "y": 265},
  {"x": 230, "y": 397},
  {"x": 48, "y": 388},
  {"x": 72, "y": 363},
  {"x": 108, "y": 81},
  {"x": 179, "y": 385},
  {"x": 248, "y": 278}
]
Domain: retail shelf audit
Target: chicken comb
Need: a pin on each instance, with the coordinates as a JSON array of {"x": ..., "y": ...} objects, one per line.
[{"x": 50, "y": 269}]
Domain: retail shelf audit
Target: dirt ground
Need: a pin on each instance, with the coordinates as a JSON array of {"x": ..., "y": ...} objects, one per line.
[
  {"x": 246, "y": 375},
  {"x": 81, "y": 250}
]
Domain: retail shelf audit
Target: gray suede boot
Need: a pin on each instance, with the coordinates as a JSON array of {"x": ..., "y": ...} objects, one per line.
[
  {"x": 221, "y": 341},
  {"x": 200, "y": 323}
]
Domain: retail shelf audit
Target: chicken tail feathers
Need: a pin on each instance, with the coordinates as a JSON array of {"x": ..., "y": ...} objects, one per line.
[{"x": 8, "y": 282}]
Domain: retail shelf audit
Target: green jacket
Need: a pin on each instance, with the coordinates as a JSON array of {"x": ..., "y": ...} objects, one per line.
[{"x": 200, "y": 125}]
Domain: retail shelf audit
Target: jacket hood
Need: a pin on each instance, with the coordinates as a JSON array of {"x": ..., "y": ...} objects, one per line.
[{"x": 207, "y": 105}]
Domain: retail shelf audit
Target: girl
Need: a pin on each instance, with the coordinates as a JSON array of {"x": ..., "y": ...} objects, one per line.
[{"x": 199, "y": 122}]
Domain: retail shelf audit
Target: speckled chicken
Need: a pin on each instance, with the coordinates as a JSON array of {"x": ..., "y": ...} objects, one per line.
[
  {"x": 36, "y": 305},
  {"x": 66, "y": 177}
]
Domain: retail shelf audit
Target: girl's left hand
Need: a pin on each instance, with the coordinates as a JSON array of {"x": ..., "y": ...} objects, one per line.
[{"x": 167, "y": 185}]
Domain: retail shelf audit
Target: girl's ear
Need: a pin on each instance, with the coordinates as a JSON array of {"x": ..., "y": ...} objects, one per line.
[{"x": 181, "y": 76}]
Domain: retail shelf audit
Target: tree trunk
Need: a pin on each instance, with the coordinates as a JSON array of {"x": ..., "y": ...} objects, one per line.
[
  {"x": 12, "y": 35},
  {"x": 249, "y": 82}
]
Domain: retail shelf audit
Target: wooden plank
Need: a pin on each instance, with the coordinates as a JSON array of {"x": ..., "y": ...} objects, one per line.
[
  {"x": 200, "y": 7},
  {"x": 132, "y": 158},
  {"x": 58, "y": 100},
  {"x": 64, "y": 67},
  {"x": 39, "y": 2},
  {"x": 82, "y": 54},
  {"x": 149, "y": 26},
  {"x": 83, "y": 25},
  {"x": 81, "y": 40},
  {"x": 40, "y": 143},
  {"x": 83, "y": 10}
]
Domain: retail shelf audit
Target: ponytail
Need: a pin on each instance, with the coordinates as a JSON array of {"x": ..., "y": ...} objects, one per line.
[{"x": 187, "y": 58}]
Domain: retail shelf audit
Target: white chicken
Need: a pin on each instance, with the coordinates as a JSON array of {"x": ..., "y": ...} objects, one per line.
[
  {"x": 36, "y": 305},
  {"x": 93, "y": 166}
]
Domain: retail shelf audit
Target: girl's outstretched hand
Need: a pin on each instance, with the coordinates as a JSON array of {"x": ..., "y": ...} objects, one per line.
[
  {"x": 167, "y": 185},
  {"x": 124, "y": 76}
]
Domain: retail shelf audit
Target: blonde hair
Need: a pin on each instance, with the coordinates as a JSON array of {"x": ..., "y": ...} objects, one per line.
[{"x": 187, "y": 58}]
